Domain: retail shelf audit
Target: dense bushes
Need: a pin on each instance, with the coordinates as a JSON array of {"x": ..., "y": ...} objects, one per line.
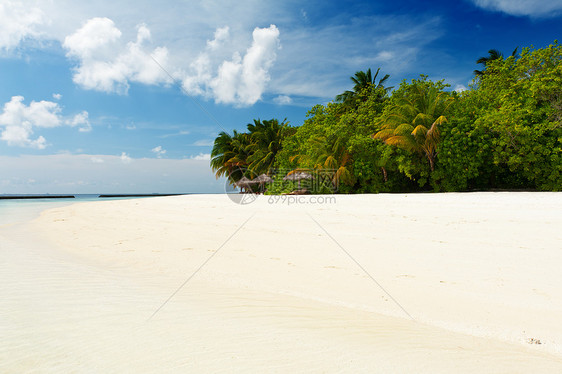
[{"x": 504, "y": 132}]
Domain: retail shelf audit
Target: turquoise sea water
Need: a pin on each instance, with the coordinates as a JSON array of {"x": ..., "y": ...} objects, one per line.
[
  {"x": 23, "y": 210},
  {"x": 19, "y": 211}
]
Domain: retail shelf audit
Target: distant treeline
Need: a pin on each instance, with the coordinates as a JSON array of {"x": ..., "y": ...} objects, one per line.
[{"x": 504, "y": 132}]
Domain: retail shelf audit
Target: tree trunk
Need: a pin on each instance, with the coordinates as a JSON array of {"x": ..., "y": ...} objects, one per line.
[{"x": 384, "y": 174}]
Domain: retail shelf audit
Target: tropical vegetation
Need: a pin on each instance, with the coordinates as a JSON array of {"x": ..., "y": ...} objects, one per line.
[
  {"x": 503, "y": 132},
  {"x": 249, "y": 153}
]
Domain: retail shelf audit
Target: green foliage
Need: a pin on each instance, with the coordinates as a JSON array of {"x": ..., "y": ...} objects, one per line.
[
  {"x": 505, "y": 132},
  {"x": 280, "y": 186},
  {"x": 376, "y": 167},
  {"x": 412, "y": 122},
  {"x": 249, "y": 154},
  {"x": 365, "y": 87},
  {"x": 229, "y": 155},
  {"x": 266, "y": 138}
]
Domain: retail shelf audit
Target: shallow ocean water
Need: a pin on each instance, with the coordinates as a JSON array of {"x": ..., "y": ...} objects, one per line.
[{"x": 14, "y": 211}]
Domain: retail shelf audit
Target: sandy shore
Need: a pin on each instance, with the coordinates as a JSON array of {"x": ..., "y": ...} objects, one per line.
[{"x": 426, "y": 283}]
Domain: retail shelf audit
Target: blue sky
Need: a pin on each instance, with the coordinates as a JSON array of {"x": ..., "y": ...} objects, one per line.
[{"x": 127, "y": 96}]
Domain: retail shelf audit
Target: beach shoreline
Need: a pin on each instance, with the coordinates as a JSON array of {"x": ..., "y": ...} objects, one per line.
[{"x": 443, "y": 278}]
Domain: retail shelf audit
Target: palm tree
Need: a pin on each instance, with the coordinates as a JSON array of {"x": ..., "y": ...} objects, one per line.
[
  {"x": 229, "y": 155},
  {"x": 251, "y": 154},
  {"x": 413, "y": 123},
  {"x": 266, "y": 137},
  {"x": 328, "y": 156},
  {"x": 493, "y": 54},
  {"x": 364, "y": 82}
]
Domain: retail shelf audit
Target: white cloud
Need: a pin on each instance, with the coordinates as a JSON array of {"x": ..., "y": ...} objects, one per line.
[
  {"x": 283, "y": 100},
  {"x": 81, "y": 119},
  {"x": 18, "y": 120},
  {"x": 533, "y": 8},
  {"x": 113, "y": 54},
  {"x": 19, "y": 136},
  {"x": 57, "y": 96},
  {"x": 105, "y": 64},
  {"x": 159, "y": 151},
  {"x": 97, "y": 160},
  {"x": 201, "y": 156},
  {"x": 221, "y": 35},
  {"x": 196, "y": 82},
  {"x": 240, "y": 80},
  {"x": 125, "y": 158},
  {"x": 17, "y": 23}
]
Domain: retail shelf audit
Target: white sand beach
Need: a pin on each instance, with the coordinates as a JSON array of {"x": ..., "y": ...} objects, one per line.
[{"x": 389, "y": 283}]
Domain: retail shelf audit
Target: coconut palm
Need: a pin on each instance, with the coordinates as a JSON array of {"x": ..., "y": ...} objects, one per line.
[
  {"x": 327, "y": 156},
  {"x": 266, "y": 137},
  {"x": 413, "y": 123},
  {"x": 493, "y": 54},
  {"x": 364, "y": 82},
  {"x": 229, "y": 155}
]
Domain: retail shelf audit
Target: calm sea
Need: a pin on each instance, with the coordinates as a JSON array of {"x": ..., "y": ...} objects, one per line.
[{"x": 18, "y": 211}]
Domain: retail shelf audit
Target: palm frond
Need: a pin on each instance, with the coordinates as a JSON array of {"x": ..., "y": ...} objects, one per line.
[
  {"x": 405, "y": 142},
  {"x": 403, "y": 129},
  {"x": 420, "y": 131},
  {"x": 440, "y": 120},
  {"x": 422, "y": 119},
  {"x": 383, "y": 134}
]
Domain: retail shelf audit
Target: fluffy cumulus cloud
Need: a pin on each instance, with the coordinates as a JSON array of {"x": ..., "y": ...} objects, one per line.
[
  {"x": 106, "y": 64},
  {"x": 19, "y": 121},
  {"x": 201, "y": 69},
  {"x": 17, "y": 23},
  {"x": 241, "y": 80},
  {"x": 533, "y": 8},
  {"x": 228, "y": 69},
  {"x": 81, "y": 120},
  {"x": 236, "y": 66},
  {"x": 221, "y": 35}
]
